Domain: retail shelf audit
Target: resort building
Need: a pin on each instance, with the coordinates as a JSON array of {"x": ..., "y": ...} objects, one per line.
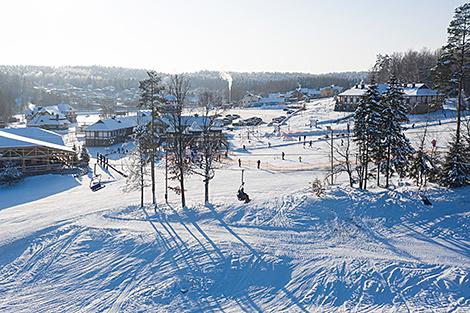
[
  {"x": 35, "y": 150},
  {"x": 419, "y": 97}
]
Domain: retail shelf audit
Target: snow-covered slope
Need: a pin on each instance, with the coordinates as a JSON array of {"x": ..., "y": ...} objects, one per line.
[{"x": 65, "y": 248}]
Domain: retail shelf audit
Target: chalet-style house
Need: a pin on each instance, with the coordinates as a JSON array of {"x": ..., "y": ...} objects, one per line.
[
  {"x": 49, "y": 121},
  {"x": 330, "y": 91},
  {"x": 249, "y": 98},
  {"x": 193, "y": 128},
  {"x": 61, "y": 109},
  {"x": 419, "y": 97},
  {"x": 35, "y": 150},
  {"x": 107, "y": 132}
]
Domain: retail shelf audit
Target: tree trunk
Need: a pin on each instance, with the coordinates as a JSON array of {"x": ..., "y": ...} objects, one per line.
[
  {"x": 206, "y": 191},
  {"x": 459, "y": 106},
  {"x": 366, "y": 166},
  {"x": 387, "y": 171},
  {"x": 181, "y": 171},
  {"x": 152, "y": 170},
  {"x": 152, "y": 159},
  {"x": 141, "y": 184},
  {"x": 378, "y": 174}
]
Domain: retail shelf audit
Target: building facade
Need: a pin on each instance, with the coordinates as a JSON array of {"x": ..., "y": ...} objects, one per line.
[
  {"x": 35, "y": 151},
  {"x": 418, "y": 96}
]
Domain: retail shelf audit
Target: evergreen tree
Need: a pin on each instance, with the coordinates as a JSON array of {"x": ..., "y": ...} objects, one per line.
[
  {"x": 451, "y": 72},
  {"x": 377, "y": 134},
  {"x": 151, "y": 90},
  {"x": 364, "y": 127},
  {"x": 398, "y": 147},
  {"x": 455, "y": 169},
  {"x": 10, "y": 173},
  {"x": 84, "y": 157}
]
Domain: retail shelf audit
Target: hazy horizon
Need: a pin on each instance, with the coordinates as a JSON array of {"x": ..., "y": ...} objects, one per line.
[{"x": 309, "y": 37}]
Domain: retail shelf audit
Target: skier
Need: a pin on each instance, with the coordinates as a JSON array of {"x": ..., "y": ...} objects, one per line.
[
  {"x": 239, "y": 162},
  {"x": 283, "y": 155},
  {"x": 300, "y": 159},
  {"x": 258, "y": 163},
  {"x": 310, "y": 143}
]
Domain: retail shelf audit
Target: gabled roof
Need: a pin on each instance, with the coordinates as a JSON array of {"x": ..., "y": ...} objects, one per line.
[
  {"x": 413, "y": 89},
  {"x": 30, "y": 137},
  {"x": 114, "y": 123},
  {"x": 60, "y": 108},
  {"x": 46, "y": 119}
]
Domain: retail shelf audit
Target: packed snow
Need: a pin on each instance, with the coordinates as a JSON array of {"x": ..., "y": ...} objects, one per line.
[{"x": 66, "y": 248}]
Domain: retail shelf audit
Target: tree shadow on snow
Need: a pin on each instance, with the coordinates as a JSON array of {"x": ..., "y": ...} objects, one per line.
[{"x": 35, "y": 188}]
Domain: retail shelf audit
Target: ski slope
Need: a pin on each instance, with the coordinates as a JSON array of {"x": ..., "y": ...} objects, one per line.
[{"x": 65, "y": 248}]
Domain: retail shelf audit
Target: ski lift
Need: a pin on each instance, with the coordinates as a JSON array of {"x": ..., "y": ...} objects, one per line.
[
  {"x": 241, "y": 194},
  {"x": 95, "y": 183}
]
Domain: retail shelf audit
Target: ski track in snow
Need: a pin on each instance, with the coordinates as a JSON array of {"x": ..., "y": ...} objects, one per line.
[{"x": 286, "y": 251}]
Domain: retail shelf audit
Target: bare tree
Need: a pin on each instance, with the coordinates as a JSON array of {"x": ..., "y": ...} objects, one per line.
[
  {"x": 6, "y": 107},
  {"x": 177, "y": 141},
  {"x": 209, "y": 144},
  {"x": 136, "y": 167},
  {"x": 342, "y": 156},
  {"x": 421, "y": 163}
]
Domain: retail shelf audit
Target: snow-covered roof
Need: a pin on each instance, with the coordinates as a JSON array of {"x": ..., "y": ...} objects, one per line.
[
  {"x": 414, "y": 89},
  {"x": 30, "y": 137},
  {"x": 46, "y": 119},
  {"x": 192, "y": 123},
  {"x": 61, "y": 108},
  {"x": 114, "y": 123},
  {"x": 271, "y": 100},
  {"x": 334, "y": 87},
  {"x": 309, "y": 91}
]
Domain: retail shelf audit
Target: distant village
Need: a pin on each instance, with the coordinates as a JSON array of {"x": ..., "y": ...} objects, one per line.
[{"x": 36, "y": 138}]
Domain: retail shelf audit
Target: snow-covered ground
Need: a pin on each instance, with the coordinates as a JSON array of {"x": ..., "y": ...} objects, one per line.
[{"x": 65, "y": 248}]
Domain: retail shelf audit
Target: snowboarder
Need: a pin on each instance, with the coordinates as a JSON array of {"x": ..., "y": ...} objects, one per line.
[{"x": 258, "y": 163}]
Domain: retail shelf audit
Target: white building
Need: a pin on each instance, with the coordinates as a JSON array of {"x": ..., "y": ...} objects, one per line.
[{"x": 419, "y": 97}]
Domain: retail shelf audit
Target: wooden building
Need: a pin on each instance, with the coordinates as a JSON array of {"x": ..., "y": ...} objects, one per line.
[
  {"x": 35, "y": 150},
  {"x": 107, "y": 132}
]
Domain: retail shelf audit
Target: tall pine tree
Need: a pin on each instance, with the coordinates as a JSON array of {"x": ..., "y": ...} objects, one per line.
[
  {"x": 452, "y": 69},
  {"x": 364, "y": 127},
  {"x": 151, "y": 90},
  {"x": 398, "y": 147}
]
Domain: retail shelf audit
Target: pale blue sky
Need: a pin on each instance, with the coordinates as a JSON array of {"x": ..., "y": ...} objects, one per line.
[{"x": 313, "y": 36}]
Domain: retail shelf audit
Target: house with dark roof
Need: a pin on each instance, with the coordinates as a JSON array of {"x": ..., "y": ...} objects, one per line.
[
  {"x": 35, "y": 150},
  {"x": 418, "y": 96}
]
